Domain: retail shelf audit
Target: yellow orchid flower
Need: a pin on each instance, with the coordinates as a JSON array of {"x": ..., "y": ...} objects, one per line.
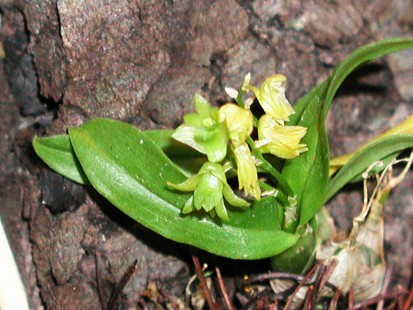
[
  {"x": 239, "y": 122},
  {"x": 246, "y": 171},
  {"x": 271, "y": 97},
  {"x": 281, "y": 141}
]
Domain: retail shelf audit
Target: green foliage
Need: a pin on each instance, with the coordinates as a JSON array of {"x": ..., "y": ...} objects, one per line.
[
  {"x": 137, "y": 186},
  {"x": 132, "y": 169},
  {"x": 380, "y": 150},
  {"x": 58, "y": 153},
  {"x": 308, "y": 174}
]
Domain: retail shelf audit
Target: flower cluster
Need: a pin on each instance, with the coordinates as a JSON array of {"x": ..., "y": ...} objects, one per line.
[
  {"x": 274, "y": 137},
  {"x": 224, "y": 136}
]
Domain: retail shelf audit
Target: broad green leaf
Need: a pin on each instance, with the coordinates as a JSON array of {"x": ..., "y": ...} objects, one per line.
[
  {"x": 131, "y": 172},
  {"x": 307, "y": 174},
  {"x": 187, "y": 158},
  {"x": 373, "y": 152},
  {"x": 58, "y": 154},
  {"x": 172, "y": 148}
]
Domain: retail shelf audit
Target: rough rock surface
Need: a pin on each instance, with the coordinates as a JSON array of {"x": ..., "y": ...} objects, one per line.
[{"x": 141, "y": 61}]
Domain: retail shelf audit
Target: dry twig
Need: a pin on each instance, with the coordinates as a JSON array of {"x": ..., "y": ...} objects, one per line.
[
  {"x": 223, "y": 289},
  {"x": 121, "y": 284},
  {"x": 302, "y": 283},
  {"x": 409, "y": 300},
  {"x": 256, "y": 297},
  {"x": 202, "y": 281}
]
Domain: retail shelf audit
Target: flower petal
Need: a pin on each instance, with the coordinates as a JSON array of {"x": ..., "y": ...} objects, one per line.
[
  {"x": 202, "y": 106},
  {"x": 239, "y": 122},
  {"x": 208, "y": 193},
  {"x": 211, "y": 142},
  {"x": 222, "y": 211},
  {"x": 246, "y": 82},
  {"x": 233, "y": 199},
  {"x": 188, "y": 185},
  {"x": 189, "y": 206},
  {"x": 281, "y": 141},
  {"x": 247, "y": 171},
  {"x": 271, "y": 97}
]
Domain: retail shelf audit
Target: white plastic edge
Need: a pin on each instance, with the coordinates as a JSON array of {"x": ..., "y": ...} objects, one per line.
[{"x": 12, "y": 292}]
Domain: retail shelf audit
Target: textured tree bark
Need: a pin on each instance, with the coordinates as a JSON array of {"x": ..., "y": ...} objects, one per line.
[{"x": 141, "y": 61}]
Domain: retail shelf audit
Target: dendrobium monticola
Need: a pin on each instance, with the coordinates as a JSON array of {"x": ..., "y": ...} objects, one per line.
[{"x": 224, "y": 135}]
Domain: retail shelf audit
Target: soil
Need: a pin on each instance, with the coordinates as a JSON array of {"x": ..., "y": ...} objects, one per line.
[{"x": 65, "y": 61}]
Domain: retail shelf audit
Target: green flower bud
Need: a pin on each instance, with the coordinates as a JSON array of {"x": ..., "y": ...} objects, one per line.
[
  {"x": 203, "y": 131},
  {"x": 210, "y": 188}
]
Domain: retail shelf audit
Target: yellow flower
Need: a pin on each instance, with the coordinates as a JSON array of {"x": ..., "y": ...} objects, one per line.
[
  {"x": 239, "y": 122},
  {"x": 271, "y": 97},
  {"x": 247, "y": 171},
  {"x": 281, "y": 141}
]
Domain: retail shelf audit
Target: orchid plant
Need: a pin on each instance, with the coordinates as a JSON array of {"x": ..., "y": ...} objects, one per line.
[{"x": 231, "y": 182}]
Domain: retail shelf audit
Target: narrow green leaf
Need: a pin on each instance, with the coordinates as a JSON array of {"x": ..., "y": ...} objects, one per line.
[
  {"x": 327, "y": 89},
  {"x": 361, "y": 160},
  {"x": 359, "y": 57},
  {"x": 405, "y": 127},
  {"x": 131, "y": 172},
  {"x": 58, "y": 154},
  {"x": 299, "y": 108},
  {"x": 307, "y": 174}
]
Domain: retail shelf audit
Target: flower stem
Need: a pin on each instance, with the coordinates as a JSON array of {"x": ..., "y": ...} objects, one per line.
[
  {"x": 265, "y": 165},
  {"x": 279, "y": 195}
]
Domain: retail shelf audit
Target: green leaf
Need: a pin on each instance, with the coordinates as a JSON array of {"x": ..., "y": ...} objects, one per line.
[
  {"x": 58, "y": 154},
  {"x": 378, "y": 150},
  {"x": 359, "y": 57},
  {"x": 172, "y": 148},
  {"x": 301, "y": 105},
  {"x": 327, "y": 89},
  {"x": 307, "y": 174},
  {"x": 131, "y": 172},
  {"x": 300, "y": 257},
  {"x": 185, "y": 157}
]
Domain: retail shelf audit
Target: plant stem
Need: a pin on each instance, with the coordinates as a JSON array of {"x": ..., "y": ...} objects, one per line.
[
  {"x": 265, "y": 165},
  {"x": 279, "y": 195}
]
